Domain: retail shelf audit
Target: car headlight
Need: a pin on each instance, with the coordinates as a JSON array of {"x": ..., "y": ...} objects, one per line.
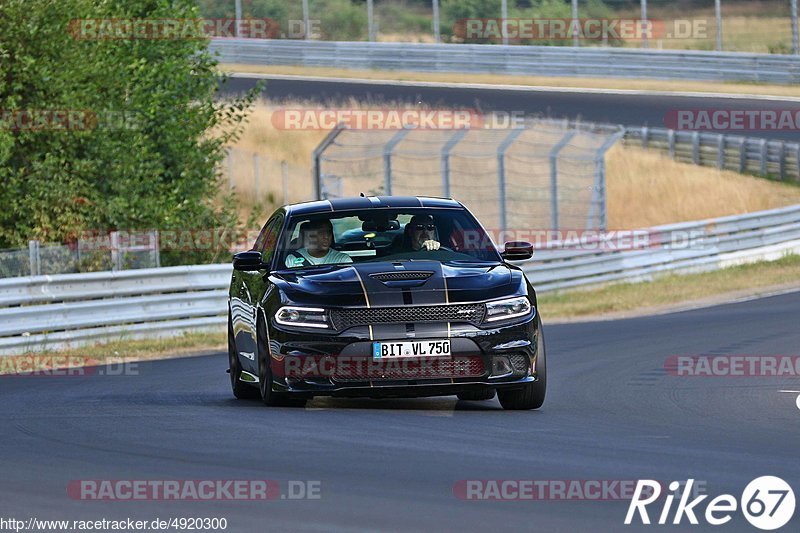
[
  {"x": 505, "y": 309},
  {"x": 302, "y": 317}
]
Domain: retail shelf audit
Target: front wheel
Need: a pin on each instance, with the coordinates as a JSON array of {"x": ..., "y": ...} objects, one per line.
[
  {"x": 531, "y": 396},
  {"x": 268, "y": 396}
]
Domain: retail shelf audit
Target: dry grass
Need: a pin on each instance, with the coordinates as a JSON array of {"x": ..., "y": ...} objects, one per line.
[
  {"x": 669, "y": 290},
  {"x": 645, "y": 188},
  {"x": 534, "y": 81},
  {"x": 116, "y": 352}
]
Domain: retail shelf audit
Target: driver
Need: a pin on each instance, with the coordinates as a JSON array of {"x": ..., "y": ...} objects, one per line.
[
  {"x": 317, "y": 238},
  {"x": 420, "y": 234}
]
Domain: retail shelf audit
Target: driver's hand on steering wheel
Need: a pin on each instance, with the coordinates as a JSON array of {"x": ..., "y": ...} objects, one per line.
[{"x": 430, "y": 245}]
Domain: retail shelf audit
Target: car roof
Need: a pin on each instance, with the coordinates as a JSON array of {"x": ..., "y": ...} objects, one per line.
[{"x": 371, "y": 202}]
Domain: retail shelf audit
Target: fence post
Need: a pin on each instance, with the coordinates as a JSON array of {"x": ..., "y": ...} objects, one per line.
[
  {"x": 721, "y": 151},
  {"x": 448, "y": 147},
  {"x": 285, "y": 176},
  {"x": 782, "y": 161},
  {"x": 599, "y": 189},
  {"x": 671, "y": 143},
  {"x": 156, "y": 241},
  {"x": 387, "y": 160},
  {"x": 743, "y": 155},
  {"x": 762, "y": 150},
  {"x": 35, "y": 258},
  {"x": 797, "y": 159},
  {"x": 257, "y": 176},
  {"x": 116, "y": 259},
  {"x": 230, "y": 168},
  {"x": 696, "y": 148},
  {"x": 436, "y": 35},
  {"x": 554, "y": 177},
  {"x": 370, "y": 22},
  {"x": 306, "y": 22},
  {"x": 316, "y": 157},
  {"x": 501, "y": 174},
  {"x": 795, "y": 31}
]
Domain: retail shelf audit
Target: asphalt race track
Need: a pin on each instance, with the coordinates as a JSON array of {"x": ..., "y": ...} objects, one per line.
[
  {"x": 627, "y": 109},
  {"x": 613, "y": 413}
]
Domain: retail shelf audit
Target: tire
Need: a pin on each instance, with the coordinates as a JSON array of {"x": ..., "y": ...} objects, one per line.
[
  {"x": 241, "y": 390},
  {"x": 267, "y": 395},
  {"x": 477, "y": 396},
  {"x": 531, "y": 396}
]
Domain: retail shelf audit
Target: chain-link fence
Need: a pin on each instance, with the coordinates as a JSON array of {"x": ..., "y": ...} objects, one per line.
[{"x": 547, "y": 174}]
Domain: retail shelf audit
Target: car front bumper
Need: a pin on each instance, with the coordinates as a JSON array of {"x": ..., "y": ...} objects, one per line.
[{"x": 341, "y": 364}]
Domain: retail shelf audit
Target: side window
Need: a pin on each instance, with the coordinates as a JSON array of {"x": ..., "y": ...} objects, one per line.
[{"x": 270, "y": 239}]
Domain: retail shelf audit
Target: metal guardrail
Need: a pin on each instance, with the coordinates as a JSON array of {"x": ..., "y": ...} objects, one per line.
[
  {"x": 44, "y": 312},
  {"x": 778, "y": 159},
  {"x": 515, "y": 60}
]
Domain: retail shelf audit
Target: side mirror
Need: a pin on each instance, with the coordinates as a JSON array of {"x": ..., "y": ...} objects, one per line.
[
  {"x": 247, "y": 261},
  {"x": 517, "y": 251}
]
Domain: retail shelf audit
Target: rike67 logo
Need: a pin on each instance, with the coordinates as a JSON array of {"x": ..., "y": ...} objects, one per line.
[{"x": 767, "y": 503}]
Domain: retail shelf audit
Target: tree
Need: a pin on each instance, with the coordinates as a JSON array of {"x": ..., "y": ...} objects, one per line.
[{"x": 139, "y": 154}]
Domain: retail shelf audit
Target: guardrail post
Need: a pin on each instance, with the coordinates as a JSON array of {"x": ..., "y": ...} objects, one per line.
[
  {"x": 448, "y": 147},
  {"x": 696, "y": 147},
  {"x": 743, "y": 155},
  {"x": 387, "y": 160},
  {"x": 782, "y": 161},
  {"x": 644, "y": 136},
  {"x": 501, "y": 173},
  {"x": 671, "y": 143},
  {"x": 721, "y": 151},
  {"x": 316, "y": 158},
  {"x": 554, "y": 177},
  {"x": 762, "y": 150},
  {"x": 35, "y": 258}
]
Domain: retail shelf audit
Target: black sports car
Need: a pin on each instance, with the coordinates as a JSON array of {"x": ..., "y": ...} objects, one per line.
[{"x": 383, "y": 296}]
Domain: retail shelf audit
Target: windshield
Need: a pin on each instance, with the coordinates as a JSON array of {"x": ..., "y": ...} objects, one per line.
[{"x": 384, "y": 235}]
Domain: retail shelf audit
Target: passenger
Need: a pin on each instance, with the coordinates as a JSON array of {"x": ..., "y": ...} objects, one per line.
[{"x": 317, "y": 239}]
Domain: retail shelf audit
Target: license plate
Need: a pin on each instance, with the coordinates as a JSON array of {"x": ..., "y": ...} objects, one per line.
[{"x": 387, "y": 350}]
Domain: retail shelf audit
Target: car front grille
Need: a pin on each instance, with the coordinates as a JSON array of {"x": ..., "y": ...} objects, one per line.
[
  {"x": 362, "y": 316},
  {"x": 406, "y": 368}
]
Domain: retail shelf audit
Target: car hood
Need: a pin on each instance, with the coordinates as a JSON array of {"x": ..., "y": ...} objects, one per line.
[{"x": 389, "y": 284}]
